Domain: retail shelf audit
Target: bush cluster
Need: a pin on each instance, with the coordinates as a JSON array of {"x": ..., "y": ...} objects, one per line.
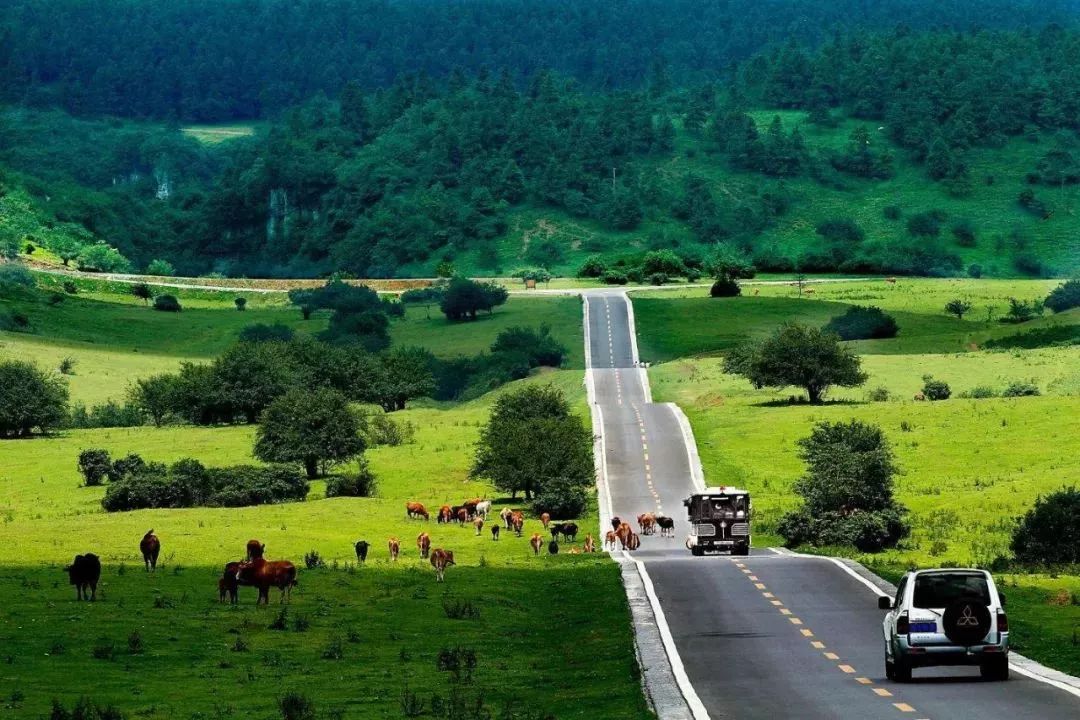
[
  {"x": 1049, "y": 534},
  {"x": 187, "y": 483},
  {"x": 863, "y": 323}
]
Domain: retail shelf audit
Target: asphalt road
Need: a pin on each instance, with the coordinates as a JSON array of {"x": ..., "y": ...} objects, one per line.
[{"x": 766, "y": 636}]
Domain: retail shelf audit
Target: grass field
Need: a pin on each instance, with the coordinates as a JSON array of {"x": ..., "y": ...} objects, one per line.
[
  {"x": 214, "y": 134},
  {"x": 969, "y": 467},
  {"x": 382, "y": 625},
  {"x": 115, "y": 338}
]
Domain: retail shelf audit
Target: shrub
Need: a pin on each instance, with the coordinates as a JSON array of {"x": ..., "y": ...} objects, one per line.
[
  {"x": 94, "y": 464},
  {"x": 663, "y": 262},
  {"x": 879, "y": 394},
  {"x": 167, "y": 303},
  {"x": 14, "y": 276},
  {"x": 539, "y": 346},
  {"x": 381, "y": 429},
  {"x": 958, "y": 307},
  {"x": 160, "y": 267},
  {"x": 103, "y": 649},
  {"x": 241, "y": 303},
  {"x": 935, "y": 389},
  {"x": 924, "y": 224},
  {"x": 593, "y": 267},
  {"x": 614, "y": 277},
  {"x": 562, "y": 498},
  {"x": 55, "y": 299},
  {"x": 1049, "y": 533},
  {"x": 841, "y": 231},
  {"x": 979, "y": 392},
  {"x": 361, "y": 484},
  {"x": 84, "y": 709},
  {"x": 1021, "y": 388},
  {"x": 964, "y": 233},
  {"x": 464, "y": 298},
  {"x": 1022, "y": 311},
  {"x": 1064, "y": 297},
  {"x": 296, "y": 706},
  {"x": 863, "y": 323},
  {"x": 460, "y": 608},
  {"x": 100, "y": 257},
  {"x": 135, "y": 643},
  {"x": 725, "y": 287},
  {"x": 142, "y": 291},
  {"x": 313, "y": 560},
  {"x": 187, "y": 483},
  {"x": 975, "y": 270},
  {"x": 67, "y": 365},
  {"x": 70, "y": 288},
  {"x": 658, "y": 278},
  {"x": 30, "y": 399}
]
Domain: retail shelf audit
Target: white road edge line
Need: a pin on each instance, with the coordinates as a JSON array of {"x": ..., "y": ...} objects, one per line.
[
  {"x": 1021, "y": 664},
  {"x": 693, "y": 702},
  {"x": 643, "y": 375}
]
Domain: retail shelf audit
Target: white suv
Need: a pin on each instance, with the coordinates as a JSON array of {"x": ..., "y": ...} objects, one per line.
[{"x": 946, "y": 617}]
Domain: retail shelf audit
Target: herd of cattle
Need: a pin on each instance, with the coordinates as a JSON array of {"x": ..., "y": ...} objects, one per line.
[{"x": 258, "y": 572}]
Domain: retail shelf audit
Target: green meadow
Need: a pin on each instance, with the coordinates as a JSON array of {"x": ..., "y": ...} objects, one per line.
[{"x": 969, "y": 467}]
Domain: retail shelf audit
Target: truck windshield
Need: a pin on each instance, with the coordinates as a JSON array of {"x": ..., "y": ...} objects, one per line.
[
  {"x": 939, "y": 590},
  {"x": 722, "y": 506}
]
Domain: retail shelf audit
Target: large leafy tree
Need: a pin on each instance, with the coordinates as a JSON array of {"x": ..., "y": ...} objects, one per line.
[
  {"x": 315, "y": 428},
  {"x": 532, "y": 438},
  {"x": 798, "y": 355},
  {"x": 401, "y": 375},
  {"x": 30, "y": 399},
  {"x": 464, "y": 298}
]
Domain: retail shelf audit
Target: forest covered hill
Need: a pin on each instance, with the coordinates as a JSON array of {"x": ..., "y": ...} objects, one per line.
[{"x": 945, "y": 146}]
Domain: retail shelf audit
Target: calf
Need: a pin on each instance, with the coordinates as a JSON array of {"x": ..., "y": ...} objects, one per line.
[
  {"x": 667, "y": 526},
  {"x": 255, "y": 549},
  {"x": 633, "y": 542},
  {"x": 517, "y": 520},
  {"x": 151, "y": 548},
  {"x": 495, "y": 531},
  {"x": 440, "y": 560},
  {"x": 545, "y": 518},
  {"x": 444, "y": 514},
  {"x": 590, "y": 544},
  {"x": 265, "y": 574},
  {"x": 361, "y": 548},
  {"x": 610, "y": 538},
  {"x": 228, "y": 585},
  {"x": 462, "y": 515},
  {"x": 478, "y": 523},
  {"x": 537, "y": 542},
  {"x": 84, "y": 573},
  {"x": 415, "y": 510},
  {"x": 395, "y": 548},
  {"x": 423, "y": 544}
]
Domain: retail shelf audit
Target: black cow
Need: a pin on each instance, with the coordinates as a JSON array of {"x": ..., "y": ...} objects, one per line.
[
  {"x": 228, "y": 584},
  {"x": 615, "y": 523},
  {"x": 556, "y": 530},
  {"x": 553, "y": 547},
  {"x": 361, "y": 550},
  {"x": 495, "y": 531},
  {"x": 667, "y": 526},
  {"x": 569, "y": 531},
  {"x": 84, "y": 574}
]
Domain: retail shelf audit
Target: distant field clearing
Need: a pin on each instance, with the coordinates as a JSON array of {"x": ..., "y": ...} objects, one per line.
[{"x": 213, "y": 134}]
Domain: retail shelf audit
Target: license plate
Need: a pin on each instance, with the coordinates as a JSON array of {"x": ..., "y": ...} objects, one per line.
[{"x": 924, "y": 627}]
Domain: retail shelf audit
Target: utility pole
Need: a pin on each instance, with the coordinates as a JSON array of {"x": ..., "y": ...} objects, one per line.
[{"x": 612, "y": 179}]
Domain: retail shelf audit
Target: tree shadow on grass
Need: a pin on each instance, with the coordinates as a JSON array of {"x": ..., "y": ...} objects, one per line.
[{"x": 802, "y": 402}]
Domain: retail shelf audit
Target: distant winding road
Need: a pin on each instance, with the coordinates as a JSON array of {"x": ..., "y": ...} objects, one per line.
[{"x": 773, "y": 635}]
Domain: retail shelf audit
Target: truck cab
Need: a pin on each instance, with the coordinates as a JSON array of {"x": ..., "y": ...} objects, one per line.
[{"x": 719, "y": 521}]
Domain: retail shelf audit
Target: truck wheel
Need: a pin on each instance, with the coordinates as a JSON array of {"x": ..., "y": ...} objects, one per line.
[
  {"x": 741, "y": 550},
  {"x": 697, "y": 551},
  {"x": 995, "y": 669}
]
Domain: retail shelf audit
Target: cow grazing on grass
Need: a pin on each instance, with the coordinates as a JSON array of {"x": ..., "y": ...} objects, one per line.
[
  {"x": 361, "y": 548},
  {"x": 462, "y": 515},
  {"x": 440, "y": 560},
  {"x": 624, "y": 533},
  {"x": 228, "y": 585},
  {"x": 415, "y": 510},
  {"x": 495, "y": 531},
  {"x": 590, "y": 544},
  {"x": 556, "y": 530},
  {"x": 151, "y": 548},
  {"x": 667, "y": 526},
  {"x": 536, "y": 542},
  {"x": 423, "y": 544},
  {"x": 471, "y": 507},
  {"x": 395, "y": 548},
  {"x": 633, "y": 542},
  {"x": 545, "y": 518},
  {"x": 610, "y": 538},
  {"x": 264, "y": 574},
  {"x": 84, "y": 573},
  {"x": 444, "y": 514},
  {"x": 478, "y": 523},
  {"x": 505, "y": 515},
  {"x": 255, "y": 549},
  {"x": 553, "y": 548},
  {"x": 919, "y": 397},
  {"x": 569, "y": 531},
  {"x": 517, "y": 520},
  {"x": 483, "y": 508}
]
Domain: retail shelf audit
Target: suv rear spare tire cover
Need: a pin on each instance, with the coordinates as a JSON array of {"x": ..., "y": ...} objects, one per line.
[{"x": 966, "y": 621}]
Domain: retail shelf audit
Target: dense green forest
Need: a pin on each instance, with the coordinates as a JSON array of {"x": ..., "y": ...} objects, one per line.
[{"x": 902, "y": 150}]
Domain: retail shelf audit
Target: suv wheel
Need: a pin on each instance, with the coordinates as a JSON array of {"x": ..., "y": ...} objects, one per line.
[
  {"x": 901, "y": 671},
  {"x": 995, "y": 669},
  {"x": 890, "y": 670}
]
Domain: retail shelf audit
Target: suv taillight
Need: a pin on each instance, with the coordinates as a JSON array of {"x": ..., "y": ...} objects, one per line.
[
  {"x": 1003, "y": 622},
  {"x": 903, "y": 627}
]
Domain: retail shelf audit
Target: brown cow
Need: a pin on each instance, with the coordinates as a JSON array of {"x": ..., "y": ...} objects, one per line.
[
  {"x": 265, "y": 574},
  {"x": 414, "y": 510},
  {"x": 590, "y": 544},
  {"x": 505, "y": 515},
  {"x": 495, "y": 531},
  {"x": 647, "y": 523},
  {"x": 255, "y": 549},
  {"x": 84, "y": 574},
  {"x": 545, "y": 518},
  {"x": 517, "y": 520},
  {"x": 462, "y": 515},
  {"x": 610, "y": 538},
  {"x": 633, "y": 542},
  {"x": 423, "y": 544},
  {"x": 440, "y": 559},
  {"x": 444, "y": 514},
  {"x": 395, "y": 548},
  {"x": 920, "y": 397},
  {"x": 478, "y": 523},
  {"x": 227, "y": 583},
  {"x": 537, "y": 542},
  {"x": 624, "y": 532},
  {"x": 151, "y": 548}
]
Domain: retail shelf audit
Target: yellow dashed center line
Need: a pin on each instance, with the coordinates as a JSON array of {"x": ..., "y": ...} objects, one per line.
[
  {"x": 903, "y": 707},
  {"x": 847, "y": 668},
  {"x": 831, "y": 656},
  {"x": 882, "y": 692}
]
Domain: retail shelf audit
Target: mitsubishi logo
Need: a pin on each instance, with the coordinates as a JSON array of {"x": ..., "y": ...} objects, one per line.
[{"x": 967, "y": 618}]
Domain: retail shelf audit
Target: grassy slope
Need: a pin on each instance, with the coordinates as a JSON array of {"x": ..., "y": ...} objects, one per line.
[
  {"x": 986, "y": 460},
  {"x": 116, "y": 339}
]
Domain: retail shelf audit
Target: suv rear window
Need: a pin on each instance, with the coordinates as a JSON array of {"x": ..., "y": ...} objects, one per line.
[{"x": 939, "y": 590}]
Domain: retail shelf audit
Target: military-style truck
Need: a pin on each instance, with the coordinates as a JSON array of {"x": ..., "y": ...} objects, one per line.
[{"x": 719, "y": 521}]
